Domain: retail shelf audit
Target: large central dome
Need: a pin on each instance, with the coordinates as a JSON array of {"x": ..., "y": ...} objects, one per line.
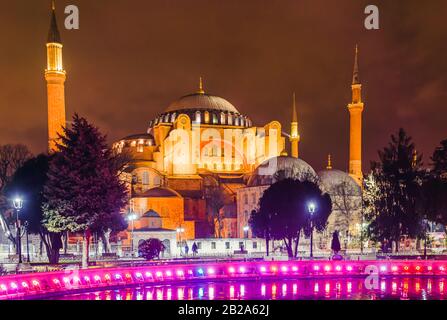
[{"x": 201, "y": 101}]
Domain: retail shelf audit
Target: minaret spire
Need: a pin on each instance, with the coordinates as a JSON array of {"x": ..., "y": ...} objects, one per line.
[
  {"x": 294, "y": 135},
  {"x": 201, "y": 91},
  {"x": 355, "y": 126},
  {"x": 54, "y": 35},
  {"x": 355, "y": 74},
  {"x": 55, "y": 76}
]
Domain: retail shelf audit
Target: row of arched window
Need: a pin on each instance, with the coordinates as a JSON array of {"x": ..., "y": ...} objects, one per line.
[{"x": 223, "y": 118}]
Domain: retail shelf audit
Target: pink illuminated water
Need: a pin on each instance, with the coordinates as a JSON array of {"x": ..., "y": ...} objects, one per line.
[{"x": 423, "y": 288}]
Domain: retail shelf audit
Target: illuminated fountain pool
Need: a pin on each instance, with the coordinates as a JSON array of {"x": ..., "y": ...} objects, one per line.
[
  {"x": 238, "y": 280},
  {"x": 322, "y": 289}
]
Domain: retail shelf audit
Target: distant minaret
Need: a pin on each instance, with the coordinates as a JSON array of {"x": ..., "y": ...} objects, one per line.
[
  {"x": 55, "y": 76},
  {"x": 329, "y": 162},
  {"x": 355, "y": 133},
  {"x": 294, "y": 135}
]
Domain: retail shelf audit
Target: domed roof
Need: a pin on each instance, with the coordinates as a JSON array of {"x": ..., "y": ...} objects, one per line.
[
  {"x": 202, "y": 101},
  {"x": 283, "y": 166},
  {"x": 333, "y": 179},
  {"x": 151, "y": 214},
  {"x": 145, "y": 136}
]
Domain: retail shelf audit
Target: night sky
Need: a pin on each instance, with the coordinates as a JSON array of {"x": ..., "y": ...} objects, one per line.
[{"x": 131, "y": 58}]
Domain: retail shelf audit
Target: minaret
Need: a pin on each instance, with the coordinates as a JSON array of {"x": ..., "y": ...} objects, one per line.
[
  {"x": 294, "y": 135},
  {"x": 55, "y": 76},
  {"x": 329, "y": 162},
  {"x": 355, "y": 131}
]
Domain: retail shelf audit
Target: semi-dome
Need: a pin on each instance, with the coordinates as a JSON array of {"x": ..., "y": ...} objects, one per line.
[
  {"x": 281, "y": 167},
  {"x": 337, "y": 181},
  {"x": 202, "y": 101}
]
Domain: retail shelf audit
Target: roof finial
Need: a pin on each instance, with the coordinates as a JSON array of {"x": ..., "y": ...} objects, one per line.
[
  {"x": 329, "y": 162},
  {"x": 355, "y": 75},
  {"x": 53, "y": 4},
  {"x": 53, "y": 34},
  {"x": 201, "y": 91},
  {"x": 294, "y": 114}
]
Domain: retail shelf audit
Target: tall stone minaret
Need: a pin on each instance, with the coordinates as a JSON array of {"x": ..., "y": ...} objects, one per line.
[
  {"x": 55, "y": 76},
  {"x": 355, "y": 132},
  {"x": 294, "y": 135}
]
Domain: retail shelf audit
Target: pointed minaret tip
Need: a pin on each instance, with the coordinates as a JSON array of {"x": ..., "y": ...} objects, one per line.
[
  {"x": 201, "y": 91},
  {"x": 294, "y": 113},
  {"x": 53, "y": 34},
  {"x": 329, "y": 162},
  {"x": 355, "y": 75}
]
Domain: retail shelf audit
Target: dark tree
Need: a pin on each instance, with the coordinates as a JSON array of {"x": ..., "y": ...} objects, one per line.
[
  {"x": 283, "y": 212},
  {"x": 439, "y": 159},
  {"x": 150, "y": 249},
  {"x": 83, "y": 192},
  {"x": 29, "y": 181},
  {"x": 335, "y": 244},
  {"x": 397, "y": 178}
]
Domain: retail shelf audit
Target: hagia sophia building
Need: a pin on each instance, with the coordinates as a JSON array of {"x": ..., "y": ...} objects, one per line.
[{"x": 201, "y": 166}]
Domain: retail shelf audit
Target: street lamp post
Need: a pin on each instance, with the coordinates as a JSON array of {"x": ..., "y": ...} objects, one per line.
[
  {"x": 27, "y": 241},
  {"x": 311, "y": 207},
  {"x": 18, "y": 204},
  {"x": 131, "y": 217}
]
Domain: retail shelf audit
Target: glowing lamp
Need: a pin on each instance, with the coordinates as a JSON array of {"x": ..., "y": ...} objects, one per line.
[
  {"x": 3, "y": 287},
  {"x": 158, "y": 274},
  {"x": 87, "y": 279},
  {"x": 327, "y": 268},
  {"x": 13, "y": 285},
  {"x": 316, "y": 268},
  {"x": 338, "y": 268},
  {"x": 231, "y": 270},
  {"x": 274, "y": 269},
  {"x": 180, "y": 273},
  {"x": 200, "y": 271},
  {"x": 406, "y": 268},
  {"x": 190, "y": 272},
  {"x": 284, "y": 269},
  {"x": 76, "y": 279},
  {"x": 128, "y": 276},
  {"x": 117, "y": 276},
  {"x": 242, "y": 269},
  {"x": 210, "y": 271},
  {"x": 429, "y": 268},
  {"x": 383, "y": 268},
  {"x": 24, "y": 284},
  {"x": 35, "y": 283},
  {"x": 56, "y": 281},
  {"x": 418, "y": 268},
  {"x": 394, "y": 268},
  {"x": 442, "y": 268},
  {"x": 349, "y": 268},
  {"x": 107, "y": 277},
  {"x": 294, "y": 268},
  {"x": 168, "y": 273},
  {"x": 263, "y": 269},
  {"x": 97, "y": 278}
]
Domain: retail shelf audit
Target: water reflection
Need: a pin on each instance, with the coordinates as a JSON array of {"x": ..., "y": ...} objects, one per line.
[{"x": 340, "y": 289}]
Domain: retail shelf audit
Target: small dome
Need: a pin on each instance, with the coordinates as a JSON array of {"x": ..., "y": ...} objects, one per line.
[
  {"x": 287, "y": 167},
  {"x": 201, "y": 101},
  {"x": 151, "y": 214},
  {"x": 145, "y": 136},
  {"x": 333, "y": 179}
]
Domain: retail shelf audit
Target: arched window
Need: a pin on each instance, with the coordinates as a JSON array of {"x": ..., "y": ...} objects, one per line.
[
  {"x": 236, "y": 122},
  {"x": 214, "y": 118},
  {"x": 207, "y": 117},
  {"x": 230, "y": 119},
  {"x": 222, "y": 118},
  {"x": 198, "y": 117},
  {"x": 145, "y": 178},
  {"x": 173, "y": 116}
]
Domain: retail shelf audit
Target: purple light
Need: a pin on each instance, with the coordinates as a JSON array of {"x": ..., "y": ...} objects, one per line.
[
  {"x": 180, "y": 273},
  {"x": 242, "y": 269},
  {"x": 263, "y": 269},
  {"x": 383, "y": 268},
  {"x": 294, "y": 268}
]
